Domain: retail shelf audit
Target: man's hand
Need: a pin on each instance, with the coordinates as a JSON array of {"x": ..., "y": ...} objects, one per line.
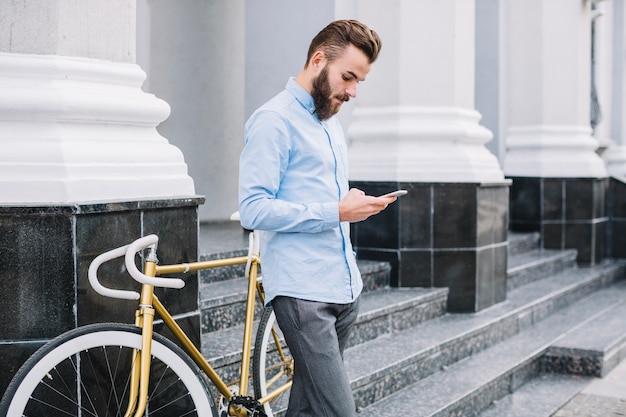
[{"x": 356, "y": 206}]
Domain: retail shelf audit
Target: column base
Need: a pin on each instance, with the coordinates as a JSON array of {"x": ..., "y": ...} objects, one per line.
[
  {"x": 444, "y": 235},
  {"x": 616, "y": 212},
  {"x": 570, "y": 213},
  {"x": 46, "y": 252},
  {"x": 81, "y": 129}
]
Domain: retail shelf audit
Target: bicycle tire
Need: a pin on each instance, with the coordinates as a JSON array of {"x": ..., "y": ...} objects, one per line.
[
  {"x": 270, "y": 370},
  {"x": 85, "y": 372}
]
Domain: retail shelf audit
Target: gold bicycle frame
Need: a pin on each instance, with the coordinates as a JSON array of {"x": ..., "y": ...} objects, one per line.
[{"x": 149, "y": 304}]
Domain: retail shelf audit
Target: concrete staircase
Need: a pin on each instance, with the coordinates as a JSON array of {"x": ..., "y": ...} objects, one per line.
[{"x": 561, "y": 325}]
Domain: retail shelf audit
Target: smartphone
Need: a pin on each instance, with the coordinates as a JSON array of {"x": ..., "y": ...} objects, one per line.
[{"x": 396, "y": 193}]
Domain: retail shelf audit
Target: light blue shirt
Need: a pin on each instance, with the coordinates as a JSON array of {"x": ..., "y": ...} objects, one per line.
[{"x": 292, "y": 173}]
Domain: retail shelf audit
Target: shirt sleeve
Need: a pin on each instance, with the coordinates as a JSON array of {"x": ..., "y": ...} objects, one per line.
[{"x": 263, "y": 163}]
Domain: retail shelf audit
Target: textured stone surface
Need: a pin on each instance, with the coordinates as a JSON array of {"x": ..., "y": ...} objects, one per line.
[
  {"x": 45, "y": 252},
  {"x": 604, "y": 397},
  {"x": 526, "y": 268},
  {"x": 585, "y": 405},
  {"x": 570, "y": 213},
  {"x": 594, "y": 348},
  {"x": 495, "y": 362},
  {"x": 443, "y": 235},
  {"x": 405, "y": 354},
  {"x": 540, "y": 397}
]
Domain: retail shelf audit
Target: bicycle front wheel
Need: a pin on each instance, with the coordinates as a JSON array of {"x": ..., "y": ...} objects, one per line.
[
  {"x": 272, "y": 365},
  {"x": 86, "y": 372}
]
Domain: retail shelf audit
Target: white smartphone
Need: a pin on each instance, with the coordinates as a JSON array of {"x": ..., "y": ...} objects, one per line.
[{"x": 396, "y": 193}]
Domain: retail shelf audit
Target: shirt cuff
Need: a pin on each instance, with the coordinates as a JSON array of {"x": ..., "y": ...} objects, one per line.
[{"x": 330, "y": 212}]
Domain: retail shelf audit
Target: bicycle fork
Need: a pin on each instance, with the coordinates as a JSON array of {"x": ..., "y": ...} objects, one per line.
[{"x": 140, "y": 371}]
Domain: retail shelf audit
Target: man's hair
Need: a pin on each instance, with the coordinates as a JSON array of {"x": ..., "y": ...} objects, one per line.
[{"x": 338, "y": 35}]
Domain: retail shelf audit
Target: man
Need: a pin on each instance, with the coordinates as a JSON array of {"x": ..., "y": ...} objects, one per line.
[{"x": 293, "y": 186}]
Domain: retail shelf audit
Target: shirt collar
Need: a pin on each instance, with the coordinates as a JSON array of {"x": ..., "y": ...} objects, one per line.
[{"x": 301, "y": 95}]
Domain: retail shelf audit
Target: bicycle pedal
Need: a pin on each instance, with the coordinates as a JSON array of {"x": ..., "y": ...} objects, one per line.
[{"x": 251, "y": 405}]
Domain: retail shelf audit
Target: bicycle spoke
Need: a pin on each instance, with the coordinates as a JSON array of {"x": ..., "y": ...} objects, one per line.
[
  {"x": 173, "y": 401},
  {"x": 80, "y": 372},
  {"x": 112, "y": 378},
  {"x": 126, "y": 387},
  {"x": 50, "y": 406}
]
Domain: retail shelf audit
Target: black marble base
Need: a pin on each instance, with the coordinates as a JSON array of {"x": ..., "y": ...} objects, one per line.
[
  {"x": 616, "y": 210},
  {"x": 570, "y": 213},
  {"x": 45, "y": 252},
  {"x": 441, "y": 234}
]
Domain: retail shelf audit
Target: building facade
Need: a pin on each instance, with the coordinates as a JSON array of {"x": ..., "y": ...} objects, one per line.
[{"x": 125, "y": 117}]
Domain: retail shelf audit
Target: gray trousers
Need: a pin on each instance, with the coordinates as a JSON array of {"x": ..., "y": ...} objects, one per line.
[{"x": 316, "y": 334}]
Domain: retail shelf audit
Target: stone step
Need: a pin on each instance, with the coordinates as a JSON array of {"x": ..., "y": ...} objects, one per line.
[
  {"x": 382, "y": 312},
  {"x": 522, "y": 242},
  {"x": 540, "y": 397},
  {"x": 383, "y": 366},
  {"x": 403, "y": 336},
  {"x": 223, "y": 290},
  {"x": 226, "y": 273},
  {"x": 222, "y": 301},
  {"x": 445, "y": 383},
  {"x": 592, "y": 349},
  {"x": 536, "y": 264},
  {"x": 221, "y": 240}
]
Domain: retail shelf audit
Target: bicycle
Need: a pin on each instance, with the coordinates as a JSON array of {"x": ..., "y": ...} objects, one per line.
[{"x": 128, "y": 369}]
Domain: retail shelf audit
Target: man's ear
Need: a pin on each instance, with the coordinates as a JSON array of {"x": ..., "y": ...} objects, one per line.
[{"x": 318, "y": 61}]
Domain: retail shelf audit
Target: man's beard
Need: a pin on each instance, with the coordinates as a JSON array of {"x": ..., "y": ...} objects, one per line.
[{"x": 321, "y": 92}]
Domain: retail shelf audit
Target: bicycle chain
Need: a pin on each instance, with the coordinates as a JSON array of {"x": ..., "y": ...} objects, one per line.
[{"x": 252, "y": 406}]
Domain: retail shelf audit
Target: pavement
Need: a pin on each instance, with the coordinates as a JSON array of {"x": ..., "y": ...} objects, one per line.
[{"x": 603, "y": 397}]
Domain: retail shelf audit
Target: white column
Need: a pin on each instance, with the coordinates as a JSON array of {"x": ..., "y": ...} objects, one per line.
[
  {"x": 602, "y": 21},
  {"x": 75, "y": 125},
  {"x": 549, "y": 91},
  {"x": 618, "y": 120},
  {"x": 491, "y": 70},
  {"x": 614, "y": 78},
  {"x": 416, "y": 119},
  {"x": 193, "y": 53}
]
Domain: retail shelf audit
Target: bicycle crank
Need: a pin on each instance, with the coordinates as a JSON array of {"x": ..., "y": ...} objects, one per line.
[{"x": 223, "y": 404}]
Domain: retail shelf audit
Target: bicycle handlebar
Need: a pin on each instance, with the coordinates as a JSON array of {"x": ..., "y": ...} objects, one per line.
[
  {"x": 129, "y": 251},
  {"x": 101, "y": 289},
  {"x": 139, "y": 245}
]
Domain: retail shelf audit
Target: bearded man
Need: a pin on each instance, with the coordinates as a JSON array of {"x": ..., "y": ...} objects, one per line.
[{"x": 293, "y": 188}]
